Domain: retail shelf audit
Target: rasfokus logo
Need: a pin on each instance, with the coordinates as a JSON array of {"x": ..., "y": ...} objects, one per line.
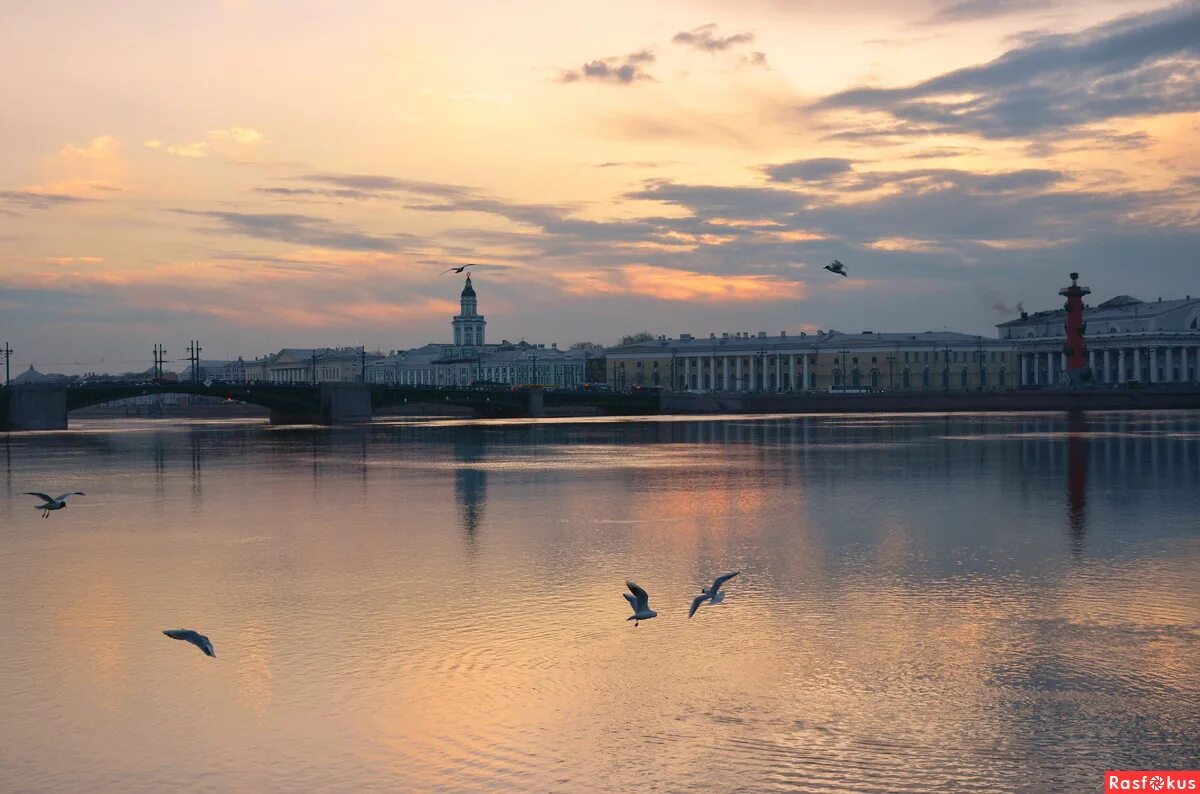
[{"x": 1147, "y": 780}]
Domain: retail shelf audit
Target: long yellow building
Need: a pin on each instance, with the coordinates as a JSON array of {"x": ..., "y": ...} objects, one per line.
[{"x": 941, "y": 360}]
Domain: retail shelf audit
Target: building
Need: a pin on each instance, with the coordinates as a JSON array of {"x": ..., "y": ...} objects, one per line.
[
  {"x": 470, "y": 359},
  {"x": 32, "y": 376},
  {"x": 832, "y": 360},
  {"x": 216, "y": 370},
  {"x": 1125, "y": 340},
  {"x": 310, "y": 365}
]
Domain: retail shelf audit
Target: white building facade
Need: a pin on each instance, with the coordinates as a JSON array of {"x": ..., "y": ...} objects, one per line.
[
  {"x": 470, "y": 360},
  {"x": 1127, "y": 340}
]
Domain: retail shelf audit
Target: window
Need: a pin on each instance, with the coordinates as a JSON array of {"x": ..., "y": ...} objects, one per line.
[{"x": 906, "y": 378}]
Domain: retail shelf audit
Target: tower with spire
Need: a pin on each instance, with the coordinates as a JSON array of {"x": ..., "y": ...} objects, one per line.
[{"x": 468, "y": 323}]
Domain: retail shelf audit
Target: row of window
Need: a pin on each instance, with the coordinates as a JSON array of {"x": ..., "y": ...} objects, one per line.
[
  {"x": 468, "y": 336},
  {"x": 564, "y": 374},
  {"x": 856, "y": 380}
]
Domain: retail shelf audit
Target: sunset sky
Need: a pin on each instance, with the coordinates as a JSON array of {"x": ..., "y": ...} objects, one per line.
[{"x": 259, "y": 174}]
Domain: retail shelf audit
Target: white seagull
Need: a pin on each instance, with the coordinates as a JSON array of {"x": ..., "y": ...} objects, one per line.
[
  {"x": 837, "y": 267},
  {"x": 640, "y": 603},
  {"x": 52, "y": 504},
  {"x": 194, "y": 637},
  {"x": 713, "y": 594}
]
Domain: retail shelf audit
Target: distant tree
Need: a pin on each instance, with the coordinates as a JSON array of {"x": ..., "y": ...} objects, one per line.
[
  {"x": 587, "y": 348},
  {"x": 633, "y": 339}
]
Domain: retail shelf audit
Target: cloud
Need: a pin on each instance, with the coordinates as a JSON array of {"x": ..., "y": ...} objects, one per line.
[
  {"x": 622, "y": 71},
  {"x": 704, "y": 38},
  {"x": 196, "y": 149},
  {"x": 363, "y": 187},
  {"x": 103, "y": 147},
  {"x": 816, "y": 169},
  {"x": 376, "y": 183},
  {"x": 38, "y": 201},
  {"x": 1138, "y": 65},
  {"x": 964, "y": 10},
  {"x": 755, "y": 58},
  {"x": 672, "y": 284},
  {"x": 302, "y": 230},
  {"x": 242, "y": 136}
]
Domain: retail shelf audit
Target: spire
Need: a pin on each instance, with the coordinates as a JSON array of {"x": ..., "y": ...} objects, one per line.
[{"x": 468, "y": 291}]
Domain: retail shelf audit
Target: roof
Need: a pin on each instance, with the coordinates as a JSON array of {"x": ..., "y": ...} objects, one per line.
[
  {"x": 1120, "y": 307},
  {"x": 826, "y": 340},
  {"x": 468, "y": 290},
  {"x": 31, "y": 375}
]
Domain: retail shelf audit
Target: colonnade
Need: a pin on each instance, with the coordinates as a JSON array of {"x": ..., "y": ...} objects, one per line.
[
  {"x": 745, "y": 372},
  {"x": 1117, "y": 365}
]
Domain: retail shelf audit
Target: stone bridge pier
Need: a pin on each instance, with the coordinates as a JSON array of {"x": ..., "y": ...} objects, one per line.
[
  {"x": 337, "y": 403},
  {"x": 41, "y": 406}
]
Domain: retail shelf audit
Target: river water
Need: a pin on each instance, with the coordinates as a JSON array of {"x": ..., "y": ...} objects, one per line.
[{"x": 926, "y": 603}]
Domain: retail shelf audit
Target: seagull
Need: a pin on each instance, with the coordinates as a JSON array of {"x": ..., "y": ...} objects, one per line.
[
  {"x": 459, "y": 269},
  {"x": 194, "y": 637},
  {"x": 640, "y": 602},
  {"x": 713, "y": 594},
  {"x": 53, "y": 504},
  {"x": 837, "y": 267}
]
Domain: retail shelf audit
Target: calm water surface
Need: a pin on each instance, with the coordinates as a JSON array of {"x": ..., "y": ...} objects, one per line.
[{"x": 961, "y": 603}]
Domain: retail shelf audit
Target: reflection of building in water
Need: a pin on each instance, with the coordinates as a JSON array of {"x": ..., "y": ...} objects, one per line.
[
  {"x": 470, "y": 482},
  {"x": 1077, "y": 478}
]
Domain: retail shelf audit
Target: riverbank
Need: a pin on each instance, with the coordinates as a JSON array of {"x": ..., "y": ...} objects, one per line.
[{"x": 934, "y": 402}]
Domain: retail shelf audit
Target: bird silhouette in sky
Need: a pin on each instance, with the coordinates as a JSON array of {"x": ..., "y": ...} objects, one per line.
[
  {"x": 459, "y": 269},
  {"x": 837, "y": 267}
]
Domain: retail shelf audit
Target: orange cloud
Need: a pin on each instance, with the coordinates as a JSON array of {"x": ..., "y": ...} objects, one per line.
[
  {"x": 906, "y": 244},
  {"x": 669, "y": 284}
]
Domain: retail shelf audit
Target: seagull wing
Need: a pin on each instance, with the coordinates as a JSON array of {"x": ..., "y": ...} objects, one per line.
[
  {"x": 43, "y": 496},
  {"x": 630, "y": 599},
  {"x": 696, "y": 602},
  {"x": 63, "y": 498},
  {"x": 643, "y": 600},
  {"x": 447, "y": 270},
  {"x": 722, "y": 579},
  {"x": 204, "y": 644}
]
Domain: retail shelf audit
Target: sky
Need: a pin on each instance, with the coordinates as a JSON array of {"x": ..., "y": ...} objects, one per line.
[{"x": 258, "y": 174}]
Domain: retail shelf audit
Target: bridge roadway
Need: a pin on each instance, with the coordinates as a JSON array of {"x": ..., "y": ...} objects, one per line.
[{"x": 45, "y": 406}]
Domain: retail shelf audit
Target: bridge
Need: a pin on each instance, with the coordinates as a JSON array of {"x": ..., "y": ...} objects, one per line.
[{"x": 46, "y": 406}]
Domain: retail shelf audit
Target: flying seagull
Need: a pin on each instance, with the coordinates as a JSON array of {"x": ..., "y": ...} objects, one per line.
[
  {"x": 459, "y": 269},
  {"x": 713, "y": 594},
  {"x": 640, "y": 603},
  {"x": 194, "y": 637},
  {"x": 837, "y": 267},
  {"x": 53, "y": 504}
]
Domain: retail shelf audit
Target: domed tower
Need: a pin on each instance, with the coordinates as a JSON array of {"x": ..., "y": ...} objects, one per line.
[{"x": 468, "y": 323}]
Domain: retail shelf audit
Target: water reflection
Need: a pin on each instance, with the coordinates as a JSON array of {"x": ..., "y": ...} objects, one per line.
[
  {"x": 916, "y": 604},
  {"x": 470, "y": 481},
  {"x": 1077, "y": 478}
]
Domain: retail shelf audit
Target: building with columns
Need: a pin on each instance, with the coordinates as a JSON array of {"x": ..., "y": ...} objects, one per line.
[
  {"x": 1125, "y": 340},
  {"x": 471, "y": 360},
  {"x": 741, "y": 362}
]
